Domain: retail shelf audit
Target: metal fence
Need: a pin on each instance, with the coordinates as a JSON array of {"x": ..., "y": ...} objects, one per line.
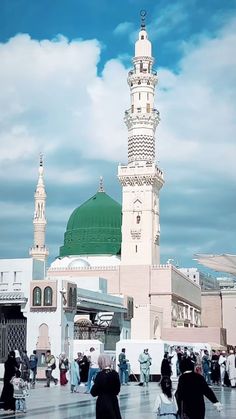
[{"x": 12, "y": 336}]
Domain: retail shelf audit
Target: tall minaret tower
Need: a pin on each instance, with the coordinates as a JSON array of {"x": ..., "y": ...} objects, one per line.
[
  {"x": 39, "y": 250},
  {"x": 141, "y": 179}
]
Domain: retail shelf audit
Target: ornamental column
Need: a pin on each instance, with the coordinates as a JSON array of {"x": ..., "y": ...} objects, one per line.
[
  {"x": 39, "y": 250},
  {"x": 141, "y": 179}
]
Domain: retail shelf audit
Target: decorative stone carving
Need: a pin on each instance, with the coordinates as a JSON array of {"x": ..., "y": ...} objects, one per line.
[
  {"x": 141, "y": 147},
  {"x": 154, "y": 180},
  {"x": 133, "y": 119},
  {"x": 135, "y": 234}
]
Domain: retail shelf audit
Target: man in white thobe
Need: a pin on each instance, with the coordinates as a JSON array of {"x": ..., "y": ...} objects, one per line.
[
  {"x": 222, "y": 364},
  {"x": 145, "y": 361},
  {"x": 230, "y": 368}
]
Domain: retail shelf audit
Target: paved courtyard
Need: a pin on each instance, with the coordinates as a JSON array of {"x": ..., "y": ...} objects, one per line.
[{"x": 136, "y": 403}]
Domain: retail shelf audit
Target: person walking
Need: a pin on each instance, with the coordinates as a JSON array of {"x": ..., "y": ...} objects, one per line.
[
  {"x": 33, "y": 362},
  {"x": 63, "y": 367},
  {"x": 145, "y": 362},
  {"x": 192, "y": 387},
  {"x": 123, "y": 367},
  {"x": 165, "y": 403},
  {"x": 79, "y": 357},
  {"x": 106, "y": 387},
  {"x": 179, "y": 359},
  {"x": 25, "y": 366},
  {"x": 231, "y": 368},
  {"x": 51, "y": 365},
  {"x": 74, "y": 376},
  {"x": 166, "y": 366},
  {"x": 198, "y": 364},
  {"x": 84, "y": 369},
  {"x": 20, "y": 391},
  {"x": 10, "y": 368},
  {"x": 93, "y": 368},
  {"x": 206, "y": 366},
  {"x": 222, "y": 364},
  {"x": 215, "y": 368}
]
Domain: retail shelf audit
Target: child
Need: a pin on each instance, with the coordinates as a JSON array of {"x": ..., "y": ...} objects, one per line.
[
  {"x": 165, "y": 404},
  {"x": 20, "y": 391}
]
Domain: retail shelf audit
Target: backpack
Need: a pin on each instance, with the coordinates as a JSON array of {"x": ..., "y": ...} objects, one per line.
[{"x": 53, "y": 366}]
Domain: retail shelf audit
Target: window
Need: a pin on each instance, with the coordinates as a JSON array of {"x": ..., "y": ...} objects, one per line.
[
  {"x": 47, "y": 296},
  {"x": 142, "y": 36},
  {"x": 138, "y": 218},
  {"x": 148, "y": 108},
  {"x": 37, "y": 296},
  {"x": 70, "y": 299},
  {"x": 4, "y": 276},
  {"x": 147, "y": 96},
  {"x": 136, "y": 248},
  {"x": 139, "y": 96},
  {"x": 132, "y": 108},
  {"x": 74, "y": 298}
]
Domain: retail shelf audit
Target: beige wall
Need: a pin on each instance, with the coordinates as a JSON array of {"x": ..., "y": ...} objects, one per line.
[
  {"x": 155, "y": 285},
  {"x": 195, "y": 334},
  {"x": 147, "y": 322},
  {"x": 211, "y": 309},
  {"x": 229, "y": 314},
  {"x": 164, "y": 301},
  {"x": 167, "y": 279}
]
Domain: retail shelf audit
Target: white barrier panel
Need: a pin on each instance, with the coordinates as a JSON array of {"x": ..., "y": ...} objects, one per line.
[{"x": 156, "y": 349}]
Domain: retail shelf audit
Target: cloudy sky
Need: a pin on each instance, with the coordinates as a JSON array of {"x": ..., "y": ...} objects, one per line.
[{"x": 63, "y": 92}]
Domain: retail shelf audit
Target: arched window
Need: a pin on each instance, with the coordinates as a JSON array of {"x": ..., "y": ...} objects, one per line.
[
  {"x": 37, "y": 296},
  {"x": 70, "y": 298},
  {"x": 47, "y": 296}
]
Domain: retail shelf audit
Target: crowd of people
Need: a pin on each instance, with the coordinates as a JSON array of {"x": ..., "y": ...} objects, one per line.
[
  {"x": 217, "y": 369},
  {"x": 196, "y": 372}
]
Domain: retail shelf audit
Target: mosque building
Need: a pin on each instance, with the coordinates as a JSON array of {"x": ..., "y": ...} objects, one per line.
[
  {"x": 107, "y": 280},
  {"x": 122, "y": 244}
]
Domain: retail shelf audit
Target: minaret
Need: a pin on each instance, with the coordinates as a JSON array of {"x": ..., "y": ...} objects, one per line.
[
  {"x": 141, "y": 179},
  {"x": 39, "y": 250}
]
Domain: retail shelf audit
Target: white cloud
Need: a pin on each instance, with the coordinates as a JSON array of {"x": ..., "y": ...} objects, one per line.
[
  {"x": 123, "y": 28},
  {"x": 168, "y": 19},
  {"x": 198, "y": 108},
  {"x": 51, "y": 97},
  {"x": 53, "y": 101}
]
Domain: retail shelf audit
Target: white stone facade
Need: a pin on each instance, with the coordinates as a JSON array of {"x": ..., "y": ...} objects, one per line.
[{"x": 141, "y": 179}]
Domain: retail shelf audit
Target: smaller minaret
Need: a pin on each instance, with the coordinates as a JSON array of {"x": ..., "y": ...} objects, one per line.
[{"x": 39, "y": 250}]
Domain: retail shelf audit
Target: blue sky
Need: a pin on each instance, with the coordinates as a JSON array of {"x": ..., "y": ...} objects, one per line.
[{"x": 63, "y": 92}]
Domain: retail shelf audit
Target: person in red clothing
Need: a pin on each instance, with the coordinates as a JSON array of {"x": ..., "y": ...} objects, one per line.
[
  {"x": 63, "y": 367},
  {"x": 192, "y": 388}
]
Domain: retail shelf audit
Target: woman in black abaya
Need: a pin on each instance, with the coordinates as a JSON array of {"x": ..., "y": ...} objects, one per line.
[
  {"x": 106, "y": 387},
  {"x": 7, "y": 391}
]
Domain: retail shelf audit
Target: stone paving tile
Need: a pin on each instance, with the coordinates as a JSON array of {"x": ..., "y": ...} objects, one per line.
[{"x": 136, "y": 403}]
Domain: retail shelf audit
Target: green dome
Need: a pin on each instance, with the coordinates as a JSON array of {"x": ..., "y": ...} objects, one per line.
[{"x": 94, "y": 228}]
